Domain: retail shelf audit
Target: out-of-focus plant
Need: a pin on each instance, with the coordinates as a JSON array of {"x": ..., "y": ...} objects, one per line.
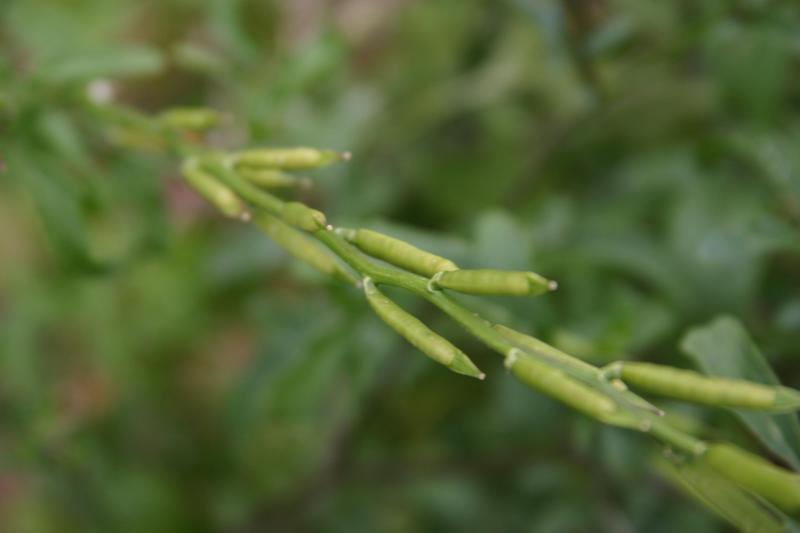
[
  {"x": 745, "y": 489},
  {"x": 158, "y": 367}
]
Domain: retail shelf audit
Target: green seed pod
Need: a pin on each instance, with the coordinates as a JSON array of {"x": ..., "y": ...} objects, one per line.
[
  {"x": 215, "y": 192},
  {"x": 190, "y": 118},
  {"x": 271, "y": 179},
  {"x": 753, "y": 473},
  {"x": 289, "y": 158},
  {"x": 398, "y": 252},
  {"x": 303, "y": 217},
  {"x": 427, "y": 341},
  {"x": 498, "y": 282},
  {"x": 556, "y": 384},
  {"x": 694, "y": 387},
  {"x": 301, "y": 246}
]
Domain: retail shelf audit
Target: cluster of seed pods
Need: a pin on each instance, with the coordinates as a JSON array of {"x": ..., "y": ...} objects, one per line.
[{"x": 240, "y": 185}]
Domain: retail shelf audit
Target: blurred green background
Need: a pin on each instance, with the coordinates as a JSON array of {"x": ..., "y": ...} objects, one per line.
[{"x": 165, "y": 369}]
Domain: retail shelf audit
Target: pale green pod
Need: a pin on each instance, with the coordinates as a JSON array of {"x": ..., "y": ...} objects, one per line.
[
  {"x": 270, "y": 179},
  {"x": 570, "y": 364},
  {"x": 497, "y": 282},
  {"x": 303, "y": 217},
  {"x": 289, "y": 158},
  {"x": 214, "y": 191},
  {"x": 418, "y": 334},
  {"x": 398, "y": 252},
  {"x": 301, "y": 246},
  {"x": 694, "y": 387},
  {"x": 556, "y": 384},
  {"x": 190, "y": 118},
  {"x": 723, "y": 497},
  {"x": 757, "y": 475}
]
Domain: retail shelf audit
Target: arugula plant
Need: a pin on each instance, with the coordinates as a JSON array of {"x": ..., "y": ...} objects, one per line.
[{"x": 745, "y": 489}]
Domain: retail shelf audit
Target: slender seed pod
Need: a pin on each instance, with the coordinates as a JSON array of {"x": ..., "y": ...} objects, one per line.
[
  {"x": 498, "y": 282},
  {"x": 221, "y": 169},
  {"x": 301, "y": 246},
  {"x": 214, "y": 191},
  {"x": 190, "y": 118},
  {"x": 398, "y": 252},
  {"x": 753, "y": 473},
  {"x": 289, "y": 158},
  {"x": 534, "y": 345},
  {"x": 427, "y": 341},
  {"x": 556, "y": 384},
  {"x": 271, "y": 179},
  {"x": 694, "y": 387},
  {"x": 303, "y": 217}
]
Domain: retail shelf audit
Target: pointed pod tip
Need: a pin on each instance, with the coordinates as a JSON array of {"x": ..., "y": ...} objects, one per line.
[
  {"x": 319, "y": 218},
  {"x": 786, "y": 399},
  {"x": 537, "y": 284},
  {"x": 462, "y": 364}
]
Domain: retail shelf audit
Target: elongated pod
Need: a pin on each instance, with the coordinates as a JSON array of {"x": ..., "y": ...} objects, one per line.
[
  {"x": 694, "y": 387},
  {"x": 214, "y": 191},
  {"x": 753, "y": 473},
  {"x": 301, "y": 246},
  {"x": 556, "y": 384},
  {"x": 190, "y": 118},
  {"x": 271, "y": 179},
  {"x": 498, "y": 282},
  {"x": 426, "y": 340},
  {"x": 397, "y": 252},
  {"x": 288, "y": 158}
]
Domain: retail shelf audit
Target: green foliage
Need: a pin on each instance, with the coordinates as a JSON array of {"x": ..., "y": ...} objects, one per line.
[
  {"x": 164, "y": 369},
  {"x": 723, "y": 348}
]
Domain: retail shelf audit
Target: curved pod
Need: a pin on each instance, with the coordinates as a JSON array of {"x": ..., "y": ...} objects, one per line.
[
  {"x": 421, "y": 336},
  {"x": 399, "y": 253}
]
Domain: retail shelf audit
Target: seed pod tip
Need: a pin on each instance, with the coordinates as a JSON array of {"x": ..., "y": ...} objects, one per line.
[
  {"x": 786, "y": 399},
  {"x": 461, "y": 364},
  {"x": 303, "y": 217}
]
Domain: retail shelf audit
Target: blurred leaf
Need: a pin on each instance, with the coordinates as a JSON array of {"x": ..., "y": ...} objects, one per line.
[
  {"x": 723, "y": 348},
  {"x": 722, "y": 497},
  {"x": 105, "y": 62},
  {"x": 60, "y": 212},
  {"x": 500, "y": 243}
]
